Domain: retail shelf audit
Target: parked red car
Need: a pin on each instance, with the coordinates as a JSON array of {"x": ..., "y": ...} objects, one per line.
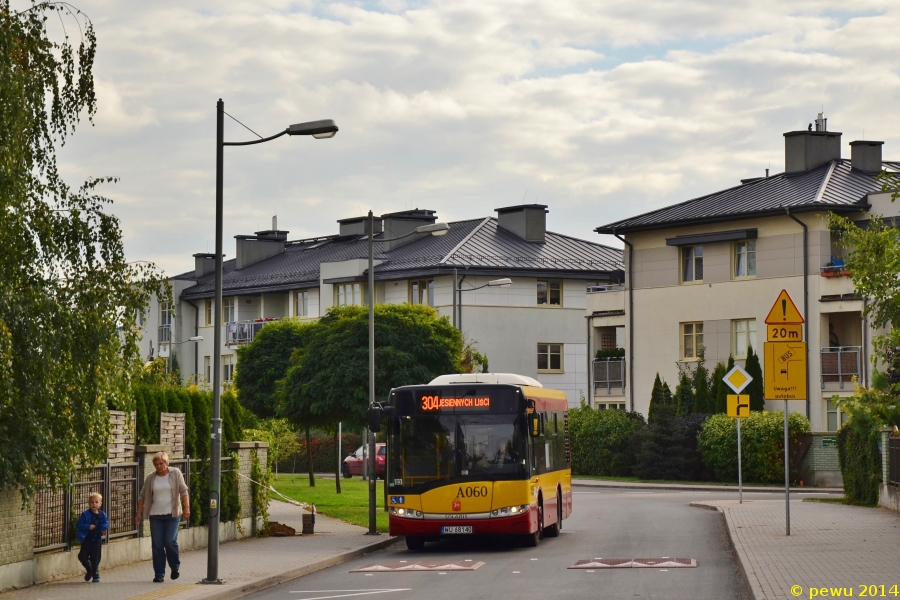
[{"x": 353, "y": 464}]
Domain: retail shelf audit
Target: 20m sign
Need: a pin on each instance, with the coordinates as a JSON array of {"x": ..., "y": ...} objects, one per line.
[{"x": 472, "y": 491}]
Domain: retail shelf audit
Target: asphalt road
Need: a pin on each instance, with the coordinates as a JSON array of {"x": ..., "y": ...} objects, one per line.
[{"x": 604, "y": 523}]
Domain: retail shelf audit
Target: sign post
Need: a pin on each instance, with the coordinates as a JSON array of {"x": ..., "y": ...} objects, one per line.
[
  {"x": 785, "y": 372},
  {"x": 738, "y": 407}
]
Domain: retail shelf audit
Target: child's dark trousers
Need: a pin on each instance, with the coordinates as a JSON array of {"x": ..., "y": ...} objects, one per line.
[{"x": 89, "y": 556}]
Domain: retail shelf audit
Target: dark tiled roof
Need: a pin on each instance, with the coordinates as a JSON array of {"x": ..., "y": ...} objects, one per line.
[
  {"x": 833, "y": 186},
  {"x": 474, "y": 244}
]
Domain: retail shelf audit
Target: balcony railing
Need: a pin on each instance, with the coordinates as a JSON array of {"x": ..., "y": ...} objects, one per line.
[
  {"x": 243, "y": 332},
  {"x": 606, "y": 287},
  {"x": 609, "y": 374},
  {"x": 165, "y": 334},
  {"x": 840, "y": 364}
]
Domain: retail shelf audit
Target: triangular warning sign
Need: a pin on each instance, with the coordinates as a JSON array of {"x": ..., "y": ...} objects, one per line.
[{"x": 784, "y": 311}]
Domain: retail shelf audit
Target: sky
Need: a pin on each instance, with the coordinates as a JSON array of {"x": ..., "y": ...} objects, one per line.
[{"x": 599, "y": 109}]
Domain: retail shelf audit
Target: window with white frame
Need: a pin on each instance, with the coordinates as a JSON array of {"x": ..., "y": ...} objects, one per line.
[
  {"x": 550, "y": 358},
  {"x": 549, "y": 292},
  {"x": 349, "y": 294},
  {"x": 611, "y": 406},
  {"x": 228, "y": 367},
  {"x": 743, "y": 335},
  {"x": 207, "y": 369},
  {"x": 692, "y": 263},
  {"x": 745, "y": 259},
  {"x": 421, "y": 292},
  {"x": 166, "y": 312},
  {"x": 301, "y": 304},
  {"x": 691, "y": 340},
  {"x": 208, "y": 312},
  {"x": 228, "y": 312},
  {"x": 835, "y": 416},
  {"x": 139, "y": 317}
]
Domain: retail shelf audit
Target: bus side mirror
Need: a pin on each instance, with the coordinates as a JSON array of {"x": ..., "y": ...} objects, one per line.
[
  {"x": 374, "y": 417},
  {"x": 535, "y": 425}
]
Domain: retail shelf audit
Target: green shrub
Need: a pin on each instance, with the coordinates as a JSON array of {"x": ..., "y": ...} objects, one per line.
[
  {"x": 602, "y": 440},
  {"x": 857, "y": 443},
  {"x": 613, "y": 353},
  {"x": 662, "y": 451},
  {"x": 762, "y": 445}
]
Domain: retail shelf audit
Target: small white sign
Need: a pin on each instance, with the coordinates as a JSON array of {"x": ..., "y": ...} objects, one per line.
[{"x": 737, "y": 379}]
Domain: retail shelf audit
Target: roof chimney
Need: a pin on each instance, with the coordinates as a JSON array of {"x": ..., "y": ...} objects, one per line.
[
  {"x": 865, "y": 156},
  {"x": 262, "y": 245},
  {"x": 204, "y": 264},
  {"x": 358, "y": 226},
  {"x": 528, "y": 221},
  {"x": 401, "y": 223},
  {"x": 806, "y": 150}
]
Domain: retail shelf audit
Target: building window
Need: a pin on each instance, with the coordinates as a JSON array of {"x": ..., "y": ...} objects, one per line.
[
  {"x": 166, "y": 312},
  {"x": 692, "y": 340},
  {"x": 208, "y": 312},
  {"x": 421, "y": 292},
  {"x": 607, "y": 341},
  {"x": 228, "y": 314},
  {"x": 611, "y": 406},
  {"x": 692, "y": 263},
  {"x": 549, "y": 292},
  {"x": 743, "y": 334},
  {"x": 228, "y": 368},
  {"x": 139, "y": 317},
  {"x": 207, "y": 369},
  {"x": 550, "y": 358},
  {"x": 836, "y": 417},
  {"x": 301, "y": 304},
  {"x": 349, "y": 294},
  {"x": 745, "y": 259}
]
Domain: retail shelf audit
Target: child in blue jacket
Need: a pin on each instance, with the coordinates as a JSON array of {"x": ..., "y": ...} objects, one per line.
[{"x": 89, "y": 529}]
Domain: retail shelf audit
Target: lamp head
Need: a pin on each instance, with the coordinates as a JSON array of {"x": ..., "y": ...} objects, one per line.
[
  {"x": 505, "y": 282},
  {"x": 196, "y": 338},
  {"x": 318, "y": 129},
  {"x": 436, "y": 229}
]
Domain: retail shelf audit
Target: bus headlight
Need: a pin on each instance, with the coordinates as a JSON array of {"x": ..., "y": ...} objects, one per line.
[
  {"x": 509, "y": 510},
  {"x": 406, "y": 512}
]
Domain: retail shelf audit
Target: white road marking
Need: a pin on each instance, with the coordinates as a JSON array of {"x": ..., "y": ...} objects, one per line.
[
  {"x": 517, "y": 571},
  {"x": 638, "y": 492},
  {"x": 345, "y": 595},
  {"x": 664, "y": 570},
  {"x": 533, "y": 559},
  {"x": 590, "y": 571}
]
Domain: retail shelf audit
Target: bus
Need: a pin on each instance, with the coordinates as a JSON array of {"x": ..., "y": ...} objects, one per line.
[{"x": 477, "y": 454}]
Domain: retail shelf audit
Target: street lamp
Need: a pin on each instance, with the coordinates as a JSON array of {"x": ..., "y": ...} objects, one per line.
[
  {"x": 319, "y": 130},
  {"x": 458, "y": 290},
  {"x": 435, "y": 229},
  {"x": 196, "y": 338}
]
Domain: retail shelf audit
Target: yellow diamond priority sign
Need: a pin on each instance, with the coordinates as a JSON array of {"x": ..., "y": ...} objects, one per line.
[{"x": 737, "y": 379}]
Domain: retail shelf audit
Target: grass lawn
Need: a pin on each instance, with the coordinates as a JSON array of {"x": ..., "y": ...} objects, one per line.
[
  {"x": 676, "y": 481},
  {"x": 351, "y": 505}
]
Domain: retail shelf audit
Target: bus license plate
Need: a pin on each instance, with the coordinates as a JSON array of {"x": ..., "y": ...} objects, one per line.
[{"x": 457, "y": 529}]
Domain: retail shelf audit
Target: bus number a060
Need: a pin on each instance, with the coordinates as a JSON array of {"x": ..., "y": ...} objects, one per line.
[{"x": 472, "y": 492}]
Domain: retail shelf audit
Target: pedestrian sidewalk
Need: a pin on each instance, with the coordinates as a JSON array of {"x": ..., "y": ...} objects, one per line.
[
  {"x": 246, "y": 565},
  {"x": 639, "y": 485},
  {"x": 831, "y": 545}
]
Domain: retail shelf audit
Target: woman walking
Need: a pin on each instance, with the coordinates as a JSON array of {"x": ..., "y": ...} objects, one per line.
[{"x": 161, "y": 501}]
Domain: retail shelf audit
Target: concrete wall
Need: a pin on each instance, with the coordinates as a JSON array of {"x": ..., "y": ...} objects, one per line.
[{"x": 17, "y": 541}]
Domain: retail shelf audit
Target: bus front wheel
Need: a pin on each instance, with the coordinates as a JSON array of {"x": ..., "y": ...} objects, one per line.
[
  {"x": 415, "y": 542},
  {"x": 553, "y": 530},
  {"x": 533, "y": 539}
]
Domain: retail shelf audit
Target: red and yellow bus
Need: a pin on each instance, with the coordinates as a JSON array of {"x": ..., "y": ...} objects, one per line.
[{"x": 478, "y": 454}]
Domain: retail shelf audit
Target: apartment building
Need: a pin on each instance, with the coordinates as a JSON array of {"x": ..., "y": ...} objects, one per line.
[
  {"x": 705, "y": 272},
  {"x": 533, "y": 326}
]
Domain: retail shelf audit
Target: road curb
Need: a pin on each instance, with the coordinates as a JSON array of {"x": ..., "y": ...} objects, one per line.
[
  {"x": 279, "y": 578},
  {"x": 743, "y": 562},
  {"x": 693, "y": 488}
]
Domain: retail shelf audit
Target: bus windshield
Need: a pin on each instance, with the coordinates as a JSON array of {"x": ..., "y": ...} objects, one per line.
[{"x": 432, "y": 448}]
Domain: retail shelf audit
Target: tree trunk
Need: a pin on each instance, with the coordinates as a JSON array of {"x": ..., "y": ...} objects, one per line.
[
  {"x": 337, "y": 466},
  {"x": 312, "y": 478}
]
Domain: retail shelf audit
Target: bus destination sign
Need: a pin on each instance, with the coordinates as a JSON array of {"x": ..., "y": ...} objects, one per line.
[{"x": 430, "y": 403}]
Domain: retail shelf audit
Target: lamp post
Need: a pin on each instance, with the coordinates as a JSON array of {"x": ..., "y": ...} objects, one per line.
[
  {"x": 458, "y": 290},
  {"x": 436, "y": 229},
  {"x": 319, "y": 130}
]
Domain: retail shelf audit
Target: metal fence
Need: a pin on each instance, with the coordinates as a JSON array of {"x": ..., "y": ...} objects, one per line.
[
  {"x": 894, "y": 460},
  {"x": 840, "y": 364},
  {"x": 57, "y": 510},
  {"x": 242, "y": 332},
  {"x": 609, "y": 373}
]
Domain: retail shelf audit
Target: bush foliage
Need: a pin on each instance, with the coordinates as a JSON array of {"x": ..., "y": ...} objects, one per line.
[
  {"x": 762, "y": 445},
  {"x": 602, "y": 440},
  {"x": 857, "y": 443}
]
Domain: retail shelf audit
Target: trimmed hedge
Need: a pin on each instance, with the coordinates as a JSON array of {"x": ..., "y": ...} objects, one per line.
[
  {"x": 762, "y": 445},
  {"x": 602, "y": 441},
  {"x": 860, "y": 461}
]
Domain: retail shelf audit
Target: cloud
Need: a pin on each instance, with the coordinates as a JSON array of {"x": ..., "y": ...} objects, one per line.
[{"x": 599, "y": 109}]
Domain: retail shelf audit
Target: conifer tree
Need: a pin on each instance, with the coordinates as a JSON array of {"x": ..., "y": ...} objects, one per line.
[
  {"x": 662, "y": 453},
  {"x": 656, "y": 398},
  {"x": 715, "y": 383},
  {"x": 755, "y": 388},
  {"x": 684, "y": 395},
  {"x": 701, "y": 387},
  {"x": 722, "y": 389}
]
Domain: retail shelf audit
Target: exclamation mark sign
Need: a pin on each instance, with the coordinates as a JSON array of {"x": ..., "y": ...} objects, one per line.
[{"x": 784, "y": 310}]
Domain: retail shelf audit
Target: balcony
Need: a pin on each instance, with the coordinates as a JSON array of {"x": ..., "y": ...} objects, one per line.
[
  {"x": 607, "y": 299},
  {"x": 840, "y": 365},
  {"x": 164, "y": 340},
  {"x": 609, "y": 377},
  {"x": 243, "y": 332}
]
